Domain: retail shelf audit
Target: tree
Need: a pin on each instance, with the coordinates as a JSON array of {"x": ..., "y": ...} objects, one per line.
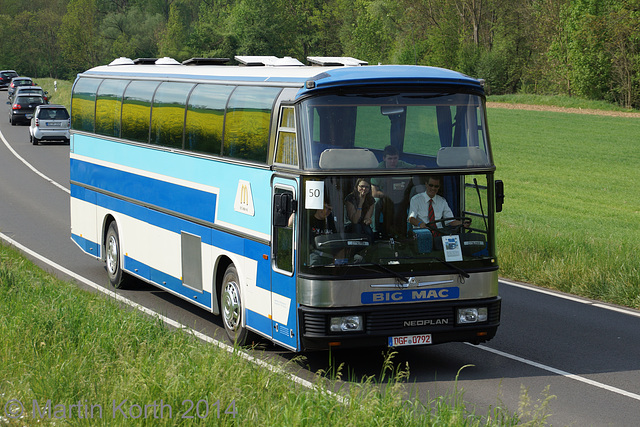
[
  {"x": 587, "y": 32},
  {"x": 211, "y": 36},
  {"x": 548, "y": 70},
  {"x": 79, "y": 35},
  {"x": 264, "y": 27},
  {"x": 624, "y": 49},
  {"x": 173, "y": 42}
]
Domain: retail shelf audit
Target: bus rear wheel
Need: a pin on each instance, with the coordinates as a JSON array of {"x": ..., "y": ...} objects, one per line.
[
  {"x": 112, "y": 257},
  {"x": 231, "y": 308}
]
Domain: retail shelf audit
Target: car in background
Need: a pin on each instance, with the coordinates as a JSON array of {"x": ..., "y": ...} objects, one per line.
[
  {"x": 50, "y": 122},
  {"x": 19, "y": 81},
  {"x": 31, "y": 90},
  {"x": 23, "y": 107},
  {"x": 6, "y": 76}
]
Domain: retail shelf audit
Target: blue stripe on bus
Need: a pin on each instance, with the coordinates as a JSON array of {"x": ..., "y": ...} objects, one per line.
[
  {"x": 184, "y": 200},
  {"x": 218, "y": 238},
  {"x": 88, "y": 246},
  {"x": 259, "y": 322}
]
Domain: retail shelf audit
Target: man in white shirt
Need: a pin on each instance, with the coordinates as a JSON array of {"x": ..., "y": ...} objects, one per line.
[{"x": 419, "y": 207}]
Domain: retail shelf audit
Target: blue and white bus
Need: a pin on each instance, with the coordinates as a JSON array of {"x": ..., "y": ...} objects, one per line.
[{"x": 281, "y": 195}]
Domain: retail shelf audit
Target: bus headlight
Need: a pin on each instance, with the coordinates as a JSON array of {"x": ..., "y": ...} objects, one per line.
[
  {"x": 346, "y": 323},
  {"x": 472, "y": 315}
]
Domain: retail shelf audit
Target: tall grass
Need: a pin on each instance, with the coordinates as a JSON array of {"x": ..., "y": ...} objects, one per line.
[
  {"x": 61, "y": 94},
  {"x": 99, "y": 363},
  {"x": 570, "y": 220}
]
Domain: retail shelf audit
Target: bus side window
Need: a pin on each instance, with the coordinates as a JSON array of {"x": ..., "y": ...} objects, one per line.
[
  {"x": 167, "y": 114},
  {"x": 287, "y": 150},
  {"x": 83, "y": 103},
  {"x": 109, "y": 107},
  {"x": 247, "y": 122},
  {"x": 205, "y": 118},
  {"x": 136, "y": 110}
]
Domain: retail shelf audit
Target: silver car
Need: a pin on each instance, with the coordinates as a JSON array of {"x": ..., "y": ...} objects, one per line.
[{"x": 50, "y": 122}]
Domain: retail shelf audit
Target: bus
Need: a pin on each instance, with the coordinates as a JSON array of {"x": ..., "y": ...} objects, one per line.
[{"x": 236, "y": 187}]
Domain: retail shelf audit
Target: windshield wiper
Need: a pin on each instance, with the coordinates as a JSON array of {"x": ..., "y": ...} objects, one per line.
[
  {"x": 452, "y": 266},
  {"x": 385, "y": 269}
]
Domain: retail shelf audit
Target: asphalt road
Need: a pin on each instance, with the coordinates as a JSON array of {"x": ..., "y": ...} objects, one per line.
[{"x": 583, "y": 354}]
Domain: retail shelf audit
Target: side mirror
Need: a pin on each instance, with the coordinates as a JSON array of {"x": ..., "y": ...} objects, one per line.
[
  {"x": 283, "y": 207},
  {"x": 499, "y": 195}
]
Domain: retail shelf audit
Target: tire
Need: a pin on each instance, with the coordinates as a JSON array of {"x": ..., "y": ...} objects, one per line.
[
  {"x": 113, "y": 257},
  {"x": 231, "y": 308},
  {"x": 34, "y": 140}
]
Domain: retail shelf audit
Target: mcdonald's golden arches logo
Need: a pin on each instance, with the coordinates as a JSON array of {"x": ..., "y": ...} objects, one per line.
[{"x": 244, "y": 198}]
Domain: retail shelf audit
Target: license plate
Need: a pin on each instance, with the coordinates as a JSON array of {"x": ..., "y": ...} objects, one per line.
[
  {"x": 403, "y": 340},
  {"x": 52, "y": 124},
  {"x": 28, "y": 116}
]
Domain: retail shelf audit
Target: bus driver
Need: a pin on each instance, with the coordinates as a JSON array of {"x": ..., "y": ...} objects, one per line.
[{"x": 429, "y": 206}]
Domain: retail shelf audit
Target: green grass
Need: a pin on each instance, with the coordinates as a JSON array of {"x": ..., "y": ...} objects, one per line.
[
  {"x": 570, "y": 220},
  {"x": 72, "y": 347},
  {"x": 557, "y": 101},
  {"x": 60, "y": 96}
]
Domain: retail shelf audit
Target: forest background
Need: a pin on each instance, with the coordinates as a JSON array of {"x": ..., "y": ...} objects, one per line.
[{"x": 584, "y": 48}]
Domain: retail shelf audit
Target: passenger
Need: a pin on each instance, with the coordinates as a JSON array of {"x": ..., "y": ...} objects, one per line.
[
  {"x": 391, "y": 159},
  {"x": 321, "y": 223},
  {"x": 359, "y": 205},
  {"x": 428, "y": 207},
  {"x": 392, "y": 217}
]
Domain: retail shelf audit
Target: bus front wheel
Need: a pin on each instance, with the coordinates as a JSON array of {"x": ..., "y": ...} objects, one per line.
[
  {"x": 231, "y": 308},
  {"x": 112, "y": 252}
]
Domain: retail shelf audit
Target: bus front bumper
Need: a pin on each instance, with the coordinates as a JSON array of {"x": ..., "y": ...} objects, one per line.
[{"x": 439, "y": 321}]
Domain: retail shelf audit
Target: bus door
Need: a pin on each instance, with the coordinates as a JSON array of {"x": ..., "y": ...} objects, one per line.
[{"x": 283, "y": 256}]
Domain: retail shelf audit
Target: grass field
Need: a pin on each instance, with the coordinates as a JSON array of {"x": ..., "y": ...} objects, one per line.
[
  {"x": 570, "y": 220},
  {"x": 60, "y": 96}
]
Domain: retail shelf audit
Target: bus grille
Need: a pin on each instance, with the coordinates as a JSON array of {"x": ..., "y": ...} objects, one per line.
[
  {"x": 388, "y": 320},
  {"x": 393, "y": 321}
]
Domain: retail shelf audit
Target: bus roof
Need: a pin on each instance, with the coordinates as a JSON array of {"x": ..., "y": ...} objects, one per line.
[{"x": 308, "y": 78}]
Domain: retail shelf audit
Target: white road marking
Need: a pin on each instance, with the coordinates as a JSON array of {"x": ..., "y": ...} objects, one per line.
[
  {"x": 559, "y": 372},
  {"x": 618, "y": 309},
  {"x": 30, "y": 166}
]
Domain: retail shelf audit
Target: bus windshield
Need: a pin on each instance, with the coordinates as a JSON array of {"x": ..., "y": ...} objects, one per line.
[
  {"x": 351, "y": 223},
  {"x": 429, "y": 130}
]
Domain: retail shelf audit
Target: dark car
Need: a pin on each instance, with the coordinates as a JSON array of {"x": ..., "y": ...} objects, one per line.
[
  {"x": 6, "y": 76},
  {"x": 30, "y": 90},
  {"x": 23, "y": 107},
  {"x": 19, "y": 81}
]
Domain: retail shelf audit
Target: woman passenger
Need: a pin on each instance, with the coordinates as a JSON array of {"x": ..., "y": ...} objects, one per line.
[{"x": 359, "y": 204}]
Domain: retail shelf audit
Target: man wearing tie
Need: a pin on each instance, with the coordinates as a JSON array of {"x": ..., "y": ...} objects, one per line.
[{"x": 427, "y": 207}]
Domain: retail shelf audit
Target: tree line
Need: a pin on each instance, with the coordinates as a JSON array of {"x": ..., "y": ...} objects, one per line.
[{"x": 585, "y": 48}]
